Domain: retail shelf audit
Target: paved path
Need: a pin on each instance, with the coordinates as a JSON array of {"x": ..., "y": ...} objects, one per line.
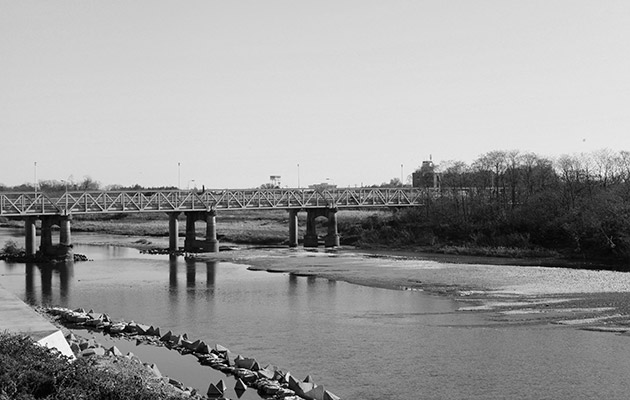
[{"x": 17, "y": 317}]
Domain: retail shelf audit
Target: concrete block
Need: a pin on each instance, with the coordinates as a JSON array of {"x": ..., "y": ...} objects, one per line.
[
  {"x": 330, "y": 396},
  {"x": 240, "y": 386},
  {"x": 57, "y": 341},
  {"x": 213, "y": 391}
]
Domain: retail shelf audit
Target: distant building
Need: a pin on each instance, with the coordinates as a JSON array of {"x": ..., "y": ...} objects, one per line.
[
  {"x": 426, "y": 176},
  {"x": 274, "y": 181}
]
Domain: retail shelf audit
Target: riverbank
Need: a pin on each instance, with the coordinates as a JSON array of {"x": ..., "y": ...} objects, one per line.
[
  {"x": 270, "y": 228},
  {"x": 521, "y": 280},
  {"x": 217, "y": 292}
]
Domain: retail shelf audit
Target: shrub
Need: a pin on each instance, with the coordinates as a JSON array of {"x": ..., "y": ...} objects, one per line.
[
  {"x": 29, "y": 371},
  {"x": 11, "y": 248}
]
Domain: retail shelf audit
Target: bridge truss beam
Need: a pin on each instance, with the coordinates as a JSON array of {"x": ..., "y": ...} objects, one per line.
[{"x": 102, "y": 202}]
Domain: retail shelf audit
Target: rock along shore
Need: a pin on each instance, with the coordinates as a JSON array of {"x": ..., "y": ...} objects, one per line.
[{"x": 269, "y": 381}]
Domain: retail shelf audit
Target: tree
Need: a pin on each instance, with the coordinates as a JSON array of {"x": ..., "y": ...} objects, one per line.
[
  {"x": 89, "y": 184},
  {"x": 394, "y": 182},
  {"x": 607, "y": 166}
]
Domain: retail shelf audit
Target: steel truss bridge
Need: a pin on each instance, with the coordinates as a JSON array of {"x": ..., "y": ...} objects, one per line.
[{"x": 144, "y": 201}]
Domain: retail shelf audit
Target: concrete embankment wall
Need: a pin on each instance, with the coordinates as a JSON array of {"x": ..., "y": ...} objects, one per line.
[{"x": 17, "y": 317}]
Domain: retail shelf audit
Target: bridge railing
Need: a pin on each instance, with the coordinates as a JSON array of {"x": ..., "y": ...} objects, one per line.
[{"x": 90, "y": 202}]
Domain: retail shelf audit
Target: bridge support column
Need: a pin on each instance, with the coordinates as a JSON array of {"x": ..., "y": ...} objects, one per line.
[
  {"x": 65, "y": 236},
  {"x": 191, "y": 236},
  {"x": 293, "y": 227},
  {"x": 173, "y": 231},
  {"x": 31, "y": 236},
  {"x": 310, "y": 238},
  {"x": 64, "y": 248},
  {"x": 210, "y": 244},
  {"x": 45, "y": 243},
  {"x": 332, "y": 239}
]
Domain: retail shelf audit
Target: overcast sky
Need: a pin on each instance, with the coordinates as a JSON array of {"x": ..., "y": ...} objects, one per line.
[{"x": 236, "y": 91}]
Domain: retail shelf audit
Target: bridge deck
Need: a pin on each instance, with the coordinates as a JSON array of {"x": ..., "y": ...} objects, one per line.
[{"x": 100, "y": 202}]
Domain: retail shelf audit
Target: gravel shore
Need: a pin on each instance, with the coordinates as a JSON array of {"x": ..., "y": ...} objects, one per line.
[{"x": 590, "y": 299}]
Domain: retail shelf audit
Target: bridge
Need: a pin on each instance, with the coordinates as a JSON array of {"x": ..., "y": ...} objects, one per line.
[{"x": 56, "y": 209}]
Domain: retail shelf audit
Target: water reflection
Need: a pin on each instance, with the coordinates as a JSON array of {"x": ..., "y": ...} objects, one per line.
[
  {"x": 211, "y": 273},
  {"x": 172, "y": 274},
  {"x": 191, "y": 274},
  {"x": 63, "y": 272},
  {"x": 30, "y": 285}
]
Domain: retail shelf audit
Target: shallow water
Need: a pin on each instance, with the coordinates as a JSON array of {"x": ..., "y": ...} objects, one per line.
[{"x": 360, "y": 342}]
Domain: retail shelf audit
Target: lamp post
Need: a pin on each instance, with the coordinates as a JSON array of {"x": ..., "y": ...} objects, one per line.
[
  {"x": 179, "y": 176},
  {"x": 65, "y": 183},
  {"x": 401, "y": 176},
  {"x": 298, "y": 167},
  {"x": 35, "y": 176}
]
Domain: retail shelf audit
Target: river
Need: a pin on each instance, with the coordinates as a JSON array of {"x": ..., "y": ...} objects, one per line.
[{"x": 359, "y": 342}]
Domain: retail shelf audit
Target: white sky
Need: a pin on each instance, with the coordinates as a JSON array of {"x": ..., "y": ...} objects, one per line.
[{"x": 236, "y": 91}]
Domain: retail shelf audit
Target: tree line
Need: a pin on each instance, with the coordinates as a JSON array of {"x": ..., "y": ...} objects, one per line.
[
  {"x": 86, "y": 184},
  {"x": 576, "y": 204}
]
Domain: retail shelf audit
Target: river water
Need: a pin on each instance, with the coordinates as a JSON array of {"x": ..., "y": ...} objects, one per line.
[{"x": 359, "y": 342}]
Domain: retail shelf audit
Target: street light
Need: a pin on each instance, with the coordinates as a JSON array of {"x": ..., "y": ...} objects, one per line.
[
  {"x": 401, "y": 175},
  {"x": 298, "y": 166},
  {"x": 35, "y": 176},
  {"x": 66, "y": 193},
  {"x": 179, "y": 176}
]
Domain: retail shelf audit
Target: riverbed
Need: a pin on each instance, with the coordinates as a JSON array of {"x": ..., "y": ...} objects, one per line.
[{"x": 366, "y": 326}]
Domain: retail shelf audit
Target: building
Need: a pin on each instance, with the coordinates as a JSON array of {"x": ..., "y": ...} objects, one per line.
[{"x": 426, "y": 176}]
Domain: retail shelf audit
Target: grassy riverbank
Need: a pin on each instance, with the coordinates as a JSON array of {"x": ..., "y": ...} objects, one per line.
[
  {"x": 375, "y": 230},
  {"x": 29, "y": 371}
]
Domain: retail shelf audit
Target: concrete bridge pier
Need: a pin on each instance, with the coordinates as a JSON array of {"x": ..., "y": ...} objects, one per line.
[
  {"x": 191, "y": 243},
  {"x": 173, "y": 231},
  {"x": 64, "y": 248},
  {"x": 31, "y": 236},
  {"x": 293, "y": 227},
  {"x": 212, "y": 244},
  {"x": 310, "y": 238},
  {"x": 332, "y": 239}
]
